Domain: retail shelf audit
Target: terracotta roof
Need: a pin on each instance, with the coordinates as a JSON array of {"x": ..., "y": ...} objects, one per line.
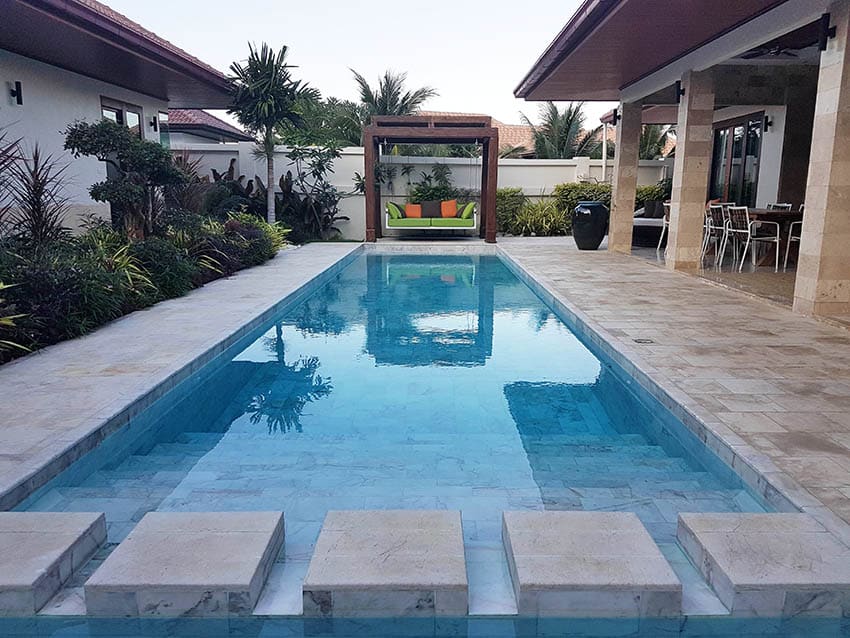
[
  {"x": 509, "y": 134},
  {"x": 188, "y": 119},
  {"x": 123, "y": 21}
]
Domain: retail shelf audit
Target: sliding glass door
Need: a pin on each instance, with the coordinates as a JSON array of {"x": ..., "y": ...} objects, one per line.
[{"x": 735, "y": 160}]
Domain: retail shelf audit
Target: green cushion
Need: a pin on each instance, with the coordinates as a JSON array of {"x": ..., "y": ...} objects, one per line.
[
  {"x": 410, "y": 222},
  {"x": 454, "y": 222},
  {"x": 467, "y": 211},
  {"x": 394, "y": 211}
]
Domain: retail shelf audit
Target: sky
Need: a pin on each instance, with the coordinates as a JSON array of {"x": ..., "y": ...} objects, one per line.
[{"x": 474, "y": 52}]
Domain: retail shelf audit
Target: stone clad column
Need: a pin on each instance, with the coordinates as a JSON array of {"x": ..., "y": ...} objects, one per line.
[
  {"x": 626, "y": 153},
  {"x": 694, "y": 138},
  {"x": 823, "y": 271}
]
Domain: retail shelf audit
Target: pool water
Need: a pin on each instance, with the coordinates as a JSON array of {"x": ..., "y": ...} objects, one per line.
[{"x": 406, "y": 382}]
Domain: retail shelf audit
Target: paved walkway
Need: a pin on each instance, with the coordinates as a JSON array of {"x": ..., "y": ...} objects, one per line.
[
  {"x": 774, "y": 385},
  {"x": 58, "y": 403}
]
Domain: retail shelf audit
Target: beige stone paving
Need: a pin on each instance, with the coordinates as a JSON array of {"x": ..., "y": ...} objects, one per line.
[
  {"x": 773, "y": 385},
  {"x": 55, "y": 402}
]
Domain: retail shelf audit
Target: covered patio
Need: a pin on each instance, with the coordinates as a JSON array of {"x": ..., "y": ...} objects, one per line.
[{"x": 754, "y": 89}]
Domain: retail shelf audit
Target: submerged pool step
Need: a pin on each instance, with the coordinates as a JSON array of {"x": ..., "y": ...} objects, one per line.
[{"x": 769, "y": 565}]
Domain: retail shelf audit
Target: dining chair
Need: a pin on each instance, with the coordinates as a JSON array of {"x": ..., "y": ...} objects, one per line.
[
  {"x": 792, "y": 236},
  {"x": 715, "y": 231},
  {"x": 751, "y": 232},
  {"x": 779, "y": 206},
  {"x": 665, "y": 225}
]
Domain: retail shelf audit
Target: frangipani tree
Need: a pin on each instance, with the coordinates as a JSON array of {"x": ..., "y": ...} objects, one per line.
[{"x": 266, "y": 99}]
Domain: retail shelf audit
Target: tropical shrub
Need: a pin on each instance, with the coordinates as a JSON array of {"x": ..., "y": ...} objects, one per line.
[
  {"x": 7, "y": 325},
  {"x": 569, "y": 195},
  {"x": 171, "y": 270},
  {"x": 509, "y": 202},
  {"x": 541, "y": 219},
  {"x": 37, "y": 204}
]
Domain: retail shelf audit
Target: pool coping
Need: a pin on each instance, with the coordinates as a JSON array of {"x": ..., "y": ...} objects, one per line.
[
  {"x": 156, "y": 387},
  {"x": 777, "y": 488}
]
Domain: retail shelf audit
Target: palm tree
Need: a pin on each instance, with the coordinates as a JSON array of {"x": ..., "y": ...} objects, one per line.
[
  {"x": 390, "y": 97},
  {"x": 653, "y": 140},
  {"x": 561, "y": 135},
  {"x": 265, "y": 97}
]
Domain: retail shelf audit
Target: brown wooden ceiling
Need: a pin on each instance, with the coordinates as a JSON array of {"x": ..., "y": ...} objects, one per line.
[{"x": 610, "y": 44}]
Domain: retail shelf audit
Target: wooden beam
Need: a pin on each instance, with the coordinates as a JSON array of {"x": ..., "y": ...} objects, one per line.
[
  {"x": 423, "y": 135},
  {"x": 489, "y": 183},
  {"x": 373, "y": 217}
]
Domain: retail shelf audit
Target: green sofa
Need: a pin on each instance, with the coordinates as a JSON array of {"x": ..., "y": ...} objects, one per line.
[{"x": 462, "y": 221}]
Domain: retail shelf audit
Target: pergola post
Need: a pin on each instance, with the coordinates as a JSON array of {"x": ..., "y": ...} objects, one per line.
[
  {"x": 489, "y": 172},
  {"x": 373, "y": 213}
]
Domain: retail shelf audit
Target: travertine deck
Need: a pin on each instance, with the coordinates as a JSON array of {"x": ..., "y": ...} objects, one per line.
[
  {"x": 767, "y": 388},
  {"x": 56, "y": 404}
]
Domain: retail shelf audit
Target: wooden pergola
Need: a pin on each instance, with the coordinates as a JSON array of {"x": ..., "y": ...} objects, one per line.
[{"x": 433, "y": 129}]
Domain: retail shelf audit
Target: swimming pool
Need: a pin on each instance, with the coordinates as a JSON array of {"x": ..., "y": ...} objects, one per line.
[{"x": 408, "y": 381}]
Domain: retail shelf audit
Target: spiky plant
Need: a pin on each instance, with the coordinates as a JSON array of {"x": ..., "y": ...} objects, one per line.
[
  {"x": 266, "y": 98},
  {"x": 38, "y": 207},
  {"x": 561, "y": 134}
]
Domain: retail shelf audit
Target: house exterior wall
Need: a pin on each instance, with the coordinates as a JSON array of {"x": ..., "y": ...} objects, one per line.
[{"x": 54, "y": 98}]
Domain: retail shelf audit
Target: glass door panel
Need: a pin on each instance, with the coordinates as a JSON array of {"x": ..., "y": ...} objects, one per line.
[{"x": 735, "y": 160}]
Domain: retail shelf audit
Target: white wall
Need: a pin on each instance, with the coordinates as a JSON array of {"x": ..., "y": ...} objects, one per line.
[
  {"x": 53, "y": 99},
  {"x": 767, "y": 190},
  {"x": 535, "y": 177}
]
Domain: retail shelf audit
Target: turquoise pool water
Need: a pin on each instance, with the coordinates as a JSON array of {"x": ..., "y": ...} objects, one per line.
[{"x": 406, "y": 382}]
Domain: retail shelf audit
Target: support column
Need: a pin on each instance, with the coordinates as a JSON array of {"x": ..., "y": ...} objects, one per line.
[
  {"x": 373, "y": 214},
  {"x": 694, "y": 138},
  {"x": 823, "y": 271},
  {"x": 626, "y": 154}
]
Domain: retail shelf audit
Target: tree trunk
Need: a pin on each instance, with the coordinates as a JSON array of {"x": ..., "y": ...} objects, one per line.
[{"x": 270, "y": 188}]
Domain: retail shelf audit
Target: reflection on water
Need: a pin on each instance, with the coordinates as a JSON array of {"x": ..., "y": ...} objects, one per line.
[{"x": 405, "y": 382}]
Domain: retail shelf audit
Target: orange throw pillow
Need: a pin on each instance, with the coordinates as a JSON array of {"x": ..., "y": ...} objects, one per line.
[
  {"x": 413, "y": 210},
  {"x": 448, "y": 208}
]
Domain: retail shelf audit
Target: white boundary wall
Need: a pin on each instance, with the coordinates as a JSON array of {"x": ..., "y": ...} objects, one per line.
[{"x": 535, "y": 177}]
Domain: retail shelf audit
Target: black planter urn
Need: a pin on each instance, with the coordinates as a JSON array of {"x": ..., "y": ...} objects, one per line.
[{"x": 590, "y": 223}]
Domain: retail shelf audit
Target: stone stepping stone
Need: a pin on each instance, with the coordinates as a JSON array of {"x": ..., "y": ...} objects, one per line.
[
  {"x": 587, "y": 564},
  {"x": 769, "y": 564},
  {"x": 39, "y": 552},
  {"x": 188, "y": 564},
  {"x": 388, "y": 563}
]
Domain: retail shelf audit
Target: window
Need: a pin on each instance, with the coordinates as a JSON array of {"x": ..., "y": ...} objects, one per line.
[
  {"x": 736, "y": 158},
  {"x": 121, "y": 113},
  {"x": 164, "y": 134}
]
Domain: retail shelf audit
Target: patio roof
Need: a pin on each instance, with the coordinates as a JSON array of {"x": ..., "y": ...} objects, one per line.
[
  {"x": 609, "y": 44},
  {"x": 89, "y": 38}
]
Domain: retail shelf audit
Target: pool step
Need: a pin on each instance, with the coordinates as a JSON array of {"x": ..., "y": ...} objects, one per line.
[
  {"x": 388, "y": 563},
  {"x": 769, "y": 564},
  {"x": 39, "y": 552},
  {"x": 588, "y": 564},
  {"x": 187, "y": 563}
]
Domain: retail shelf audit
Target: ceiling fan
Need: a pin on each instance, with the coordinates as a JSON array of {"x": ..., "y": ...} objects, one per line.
[{"x": 776, "y": 51}]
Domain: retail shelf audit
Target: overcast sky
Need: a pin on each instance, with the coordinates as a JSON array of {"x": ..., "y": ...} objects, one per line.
[{"x": 474, "y": 52}]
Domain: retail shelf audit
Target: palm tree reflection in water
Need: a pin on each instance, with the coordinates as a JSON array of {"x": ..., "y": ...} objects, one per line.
[{"x": 289, "y": 387}]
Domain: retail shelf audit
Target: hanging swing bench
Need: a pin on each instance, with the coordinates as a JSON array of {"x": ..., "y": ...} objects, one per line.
[{"x": 437, "y": 215}]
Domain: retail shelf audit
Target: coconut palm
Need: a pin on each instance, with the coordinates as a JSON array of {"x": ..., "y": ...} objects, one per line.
[
  {"x": 653, "y": 140},
  {"x": 264, "y": 98},
  {"x": 561, "y": 134},
  {"x": 390, "y": 96}
]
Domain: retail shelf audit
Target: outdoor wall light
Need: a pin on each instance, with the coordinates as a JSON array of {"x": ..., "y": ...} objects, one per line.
[
  {"x": 154, "y": 123},
  {"x": 826, "y": 32},
  {"x": 16, "y": 92},
  {"x": 767, "y": 123},
  {"x": 680, "y": 92}
]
